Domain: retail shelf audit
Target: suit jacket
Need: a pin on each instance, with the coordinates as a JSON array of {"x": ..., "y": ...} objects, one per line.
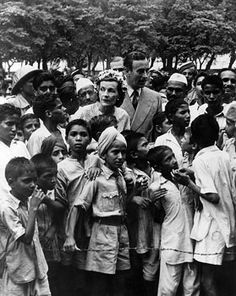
[{"x": 149, "y": 104}]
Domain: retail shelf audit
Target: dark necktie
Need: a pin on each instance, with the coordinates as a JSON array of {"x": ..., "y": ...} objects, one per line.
[{"x": 135, "y": 98}]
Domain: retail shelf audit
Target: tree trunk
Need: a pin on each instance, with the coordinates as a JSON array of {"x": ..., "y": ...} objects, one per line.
[
  {"x": 39, "y": 62},
  {"x": 44, "y": 63},
  {"x": 209, "y": 64},
  {"x": 169, "y": 63},
  {"x": 164, "y": 62},
  {"x": 232, "y": 58}
]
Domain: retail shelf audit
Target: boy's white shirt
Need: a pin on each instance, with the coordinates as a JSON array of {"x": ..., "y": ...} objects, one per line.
[{"x": 213, "y": 175}]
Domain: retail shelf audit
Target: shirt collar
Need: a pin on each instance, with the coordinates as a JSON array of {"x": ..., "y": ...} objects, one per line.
[
  {"x": 15, "y": 202},
  {"x": 108, "y": 173},
  {"x": 212, "y": 148},
  {"x": 130, "y": 90}
]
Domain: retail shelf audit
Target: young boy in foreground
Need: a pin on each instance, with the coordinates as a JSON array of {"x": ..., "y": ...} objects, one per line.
[{"x": 25, "y": 268}]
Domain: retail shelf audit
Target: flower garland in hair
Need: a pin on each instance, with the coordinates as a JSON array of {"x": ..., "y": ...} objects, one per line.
[{"x": 113, "y": 74}]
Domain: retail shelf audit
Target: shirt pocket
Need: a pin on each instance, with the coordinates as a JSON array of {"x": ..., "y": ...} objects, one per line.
[{"x": 110, "y": 201}]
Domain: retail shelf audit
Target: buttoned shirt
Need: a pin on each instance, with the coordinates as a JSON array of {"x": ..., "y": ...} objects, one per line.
[
  {"x": 20, "y": 102},
  {"x": 106, "y": 194},
  {"x": 220, "y": 117},
  {"x": 24, "y": 262}
]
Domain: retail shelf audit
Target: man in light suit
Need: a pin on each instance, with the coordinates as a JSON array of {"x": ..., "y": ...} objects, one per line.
[{"x": 141, "y": 103}]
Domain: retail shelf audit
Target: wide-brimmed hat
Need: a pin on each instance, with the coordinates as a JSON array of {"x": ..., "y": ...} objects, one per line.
[{"x": 21, "y": 76}]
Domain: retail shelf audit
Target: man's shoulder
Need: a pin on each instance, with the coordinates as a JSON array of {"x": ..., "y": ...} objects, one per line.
[{"x": 150, "y": 92}]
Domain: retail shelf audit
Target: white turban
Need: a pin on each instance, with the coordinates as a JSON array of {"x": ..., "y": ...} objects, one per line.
[
  {"x": 108, "y": 136},
  {"x": 177, "y": 77},
  {"x": 83, "y": 82}
]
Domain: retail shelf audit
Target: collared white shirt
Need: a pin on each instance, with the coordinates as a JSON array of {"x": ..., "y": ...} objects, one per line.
[
  {"x": 168, "y": 139},
  {"x": 220, "y": 117}
]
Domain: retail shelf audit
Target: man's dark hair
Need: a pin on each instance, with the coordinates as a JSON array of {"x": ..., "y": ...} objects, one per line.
[
  {"x": 81, "y": 122},
  {"x": 205, "y": 130},
  {"x": 133, "y": 56},
  {"x": 41, "y": 162},
  {"x": 213, "y": 80},
  {"x": 44, "y": 102},
  {"x": 172, "y": 106},
  {"x": 17, "y": 166},
  {"x": 41, "y": 77},
  {"x": 8, "y": 110},
  {"x": 132, "y": 140}
]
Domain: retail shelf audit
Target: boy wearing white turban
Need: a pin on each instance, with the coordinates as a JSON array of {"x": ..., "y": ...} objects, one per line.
[{"x": 109, "y": 243}]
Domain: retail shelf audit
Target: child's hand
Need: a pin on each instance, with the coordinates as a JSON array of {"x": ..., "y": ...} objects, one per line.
[
  {"x": 36, "y": 198},
  {"x": 143, "y": 202},
  {"x": 92, "y": 173},
  {"x": 141, "y": 183},
  {"x": 70, "y": 245},
  {"x": 181, "y": 178},
  {"x": 157, "y": 194}
]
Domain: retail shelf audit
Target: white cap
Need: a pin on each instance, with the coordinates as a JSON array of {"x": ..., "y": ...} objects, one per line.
[
  {"x": 177, "y": 77},
  {"x": 83, "y": 82}
]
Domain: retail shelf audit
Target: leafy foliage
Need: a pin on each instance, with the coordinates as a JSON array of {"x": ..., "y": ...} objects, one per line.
[{"x": 84, "y": 31}]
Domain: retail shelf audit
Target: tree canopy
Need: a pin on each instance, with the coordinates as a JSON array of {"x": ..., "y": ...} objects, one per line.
[{"x": 84, "y": 31}]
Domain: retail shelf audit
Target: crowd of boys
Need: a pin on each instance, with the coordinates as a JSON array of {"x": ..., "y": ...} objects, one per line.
[{"x": 90, "y": 208}]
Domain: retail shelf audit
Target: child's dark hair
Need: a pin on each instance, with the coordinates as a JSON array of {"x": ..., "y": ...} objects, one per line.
[
  {"x": 200, "y": 74},
  {"x": 17, "y": 166},
  {"x": 26, "y": 117},
  {"x": 8, "y": 110},
  {"x": 213, "y": 80},
  {"x": 156, "y": 154},
  {"x": 205, "y": 130},
  {"x": 172, "y": 106},
  {"x": 44, "y": 102},
  {"x": 49, "y": 143},
  {"x": 80, "y": 122},
  {"x": 41, "y": 161},
  {"x": 41, "y": 77},
  {"x": 132, "y": 140},
  {"x": 159, "y": 118},
  {"x": 100, "y": 123}
]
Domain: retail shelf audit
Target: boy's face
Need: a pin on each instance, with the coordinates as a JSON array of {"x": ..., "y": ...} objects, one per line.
[
  {"x": 8, "y": 128},
  {"x": 23, "y": 186},
  {"x": 58, "y": 114},
  {"x": 230, "y": 128},
  {"x": 115, "y": 156},
  {"x": 169, "y": 162},
  {"x": 47, "y": 180},
  {"x": 78, "y": 138},
  {"x": 182, "y": 116},
  {"x": 30, "y": 125},
  {"x": 142, "y": 148},
  {"x": 213, "y": 95}
]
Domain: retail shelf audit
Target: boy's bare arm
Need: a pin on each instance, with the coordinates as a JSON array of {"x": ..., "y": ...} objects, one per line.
[
  {"x": 70, "y": 245},
  {"x": 184, "y": 179},
  {"x": 35, "y": 201}
]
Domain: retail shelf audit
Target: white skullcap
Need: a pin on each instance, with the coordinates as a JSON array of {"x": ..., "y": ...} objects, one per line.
[
  {"x": 177, "y": 77},
  {"x": 83, "y": 82},
  {"x": 108, "y": 136}
]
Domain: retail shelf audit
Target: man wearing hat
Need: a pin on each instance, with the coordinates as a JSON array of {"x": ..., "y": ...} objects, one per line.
[
  {"x": 22, "y": 88},
  {"x": 85, "y": 91},
  {"x": 189, "y": 70},
  {"x": 176, "y": 87}
]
